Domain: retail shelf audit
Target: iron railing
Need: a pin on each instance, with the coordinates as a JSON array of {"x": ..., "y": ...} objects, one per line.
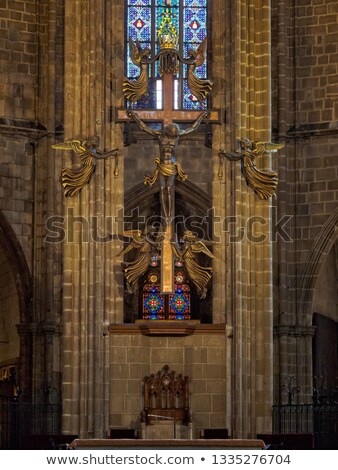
[
  {"x": 319, "y": 420},
  {"x": 18, "y": 420}
]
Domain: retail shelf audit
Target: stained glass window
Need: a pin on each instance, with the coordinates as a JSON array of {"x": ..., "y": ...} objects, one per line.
[
  {"x": 179, "y": 303},
  {"x": 153, "y": 301},
  {"x": 176, "y": 306},
  {"x": 144, "y": 18}
]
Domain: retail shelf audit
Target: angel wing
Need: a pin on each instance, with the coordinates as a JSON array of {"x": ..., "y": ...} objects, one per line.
[
  {"x": 265, "y": 147},
  {"x": 136, "y": 242},
  {"x": 135, "y": 51},
  {"x": 134, "y": 90},
  {"x": 200, "y": 247},
  {"x": 199, "y": 88},
  {"x": 201, "y": 53},
  {"x": 76, "y": 145}
]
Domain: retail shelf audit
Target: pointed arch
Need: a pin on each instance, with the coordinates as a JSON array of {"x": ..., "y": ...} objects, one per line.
[
  {"x": 18, "y": 264},
  {"x": 320, "y": 249}
]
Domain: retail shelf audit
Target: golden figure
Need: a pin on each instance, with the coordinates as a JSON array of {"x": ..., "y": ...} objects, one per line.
[
  {"x": 146, "y": 249},
  {"x": 264, "y": 183},
  {"x": 166, "y": 166},
  {"x": 73, "y": 180},
  {"x": 199, "y": 275},
  {"x": 133, "y": 91},
  {"x": 198, "y": 87}
]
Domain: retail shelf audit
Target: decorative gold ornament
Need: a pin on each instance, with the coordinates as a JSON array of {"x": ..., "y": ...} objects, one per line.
[
  {"x": 74, "y": 179},
  {"x": 133, "y": 91},
  {"x": 199, "y": 275},
  {"x": 168, "y": 43},
  {"x": 167, "y": 32},
  {"x": 198, "y": 87},
  {"x": 264, "y": 183}
]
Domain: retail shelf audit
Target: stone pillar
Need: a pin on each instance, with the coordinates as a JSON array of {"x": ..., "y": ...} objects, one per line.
[
  {"x": 91, "y": 299},
  {"x": 294, "y": 365},
  {"x": 222, "y": 198},
  {"x": 252, "y": 250}
]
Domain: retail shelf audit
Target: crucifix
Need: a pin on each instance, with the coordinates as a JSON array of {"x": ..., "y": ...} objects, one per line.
[{"x": 167, "y": 168}]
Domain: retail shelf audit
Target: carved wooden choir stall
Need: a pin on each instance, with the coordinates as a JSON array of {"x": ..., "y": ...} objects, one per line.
[{"x": 166, "y": 412}]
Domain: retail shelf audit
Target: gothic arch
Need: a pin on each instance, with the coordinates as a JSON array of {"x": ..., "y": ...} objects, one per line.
[
  {"x": 190, "y": 193},
  {"x": 320, "y": 249},
  {"x": 193, "y": 205},
  {"x": 19, "y": 267},
  {"x": 23, "y": 281}
]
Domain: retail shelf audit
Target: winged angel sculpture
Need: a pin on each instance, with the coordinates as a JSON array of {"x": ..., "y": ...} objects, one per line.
[
  {"x": 145, "y": 247},
  {"x": 264, "y": 183},
  {"x": 73, "y": 180},
  {"x": 198, "y": 87},
  {"x": 133, "y": 91},
  {"x": 199, "y": 275}
]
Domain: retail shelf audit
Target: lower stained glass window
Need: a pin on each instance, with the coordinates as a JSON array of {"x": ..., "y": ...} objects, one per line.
[{"x": 176, "y": 306}]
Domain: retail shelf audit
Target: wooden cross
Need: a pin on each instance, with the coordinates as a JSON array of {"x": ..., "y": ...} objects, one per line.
[{"x": 167, "y": 116}]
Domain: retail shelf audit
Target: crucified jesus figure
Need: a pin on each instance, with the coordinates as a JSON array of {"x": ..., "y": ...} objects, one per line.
[{"x": 166, "y": 166}]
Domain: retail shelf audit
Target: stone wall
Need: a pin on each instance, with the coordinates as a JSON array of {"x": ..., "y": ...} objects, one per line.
[
  {"x": 19, "y": 49},
  {"x": 200, "y": 357},
  {"x": 305, "y": 118},
  {"x": 31, "y": 106},
  {"x": 316, "y": 48},
  {"x": 18, "y": 78}
]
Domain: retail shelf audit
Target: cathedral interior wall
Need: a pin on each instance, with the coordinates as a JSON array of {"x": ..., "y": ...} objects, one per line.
[{"x": 33, "y": 87}]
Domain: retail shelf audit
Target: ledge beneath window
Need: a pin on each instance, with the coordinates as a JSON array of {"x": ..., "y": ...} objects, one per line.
[{"x": 167, "y": 328}]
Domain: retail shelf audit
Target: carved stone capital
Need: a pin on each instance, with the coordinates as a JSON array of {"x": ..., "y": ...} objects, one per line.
[{"x": 294, "y": 330}]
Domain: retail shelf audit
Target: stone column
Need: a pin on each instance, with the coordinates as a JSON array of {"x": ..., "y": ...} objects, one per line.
[
  {"x": 251, "y": 251},
  {"x": 222, "y": 198},
  {"x": 91, "y": 299},
  {"x": 294, "y": 363}
]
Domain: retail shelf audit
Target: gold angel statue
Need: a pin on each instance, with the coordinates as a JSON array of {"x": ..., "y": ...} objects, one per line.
[
  {"x": 134, "y": 90},
  {"x": 264, "y": 183},
  {"x": 146, "y": 249},
  {"x": 73, "y": 180},
  {"x": 198, "y": 87},
  {"x": 199, "y": 275}
]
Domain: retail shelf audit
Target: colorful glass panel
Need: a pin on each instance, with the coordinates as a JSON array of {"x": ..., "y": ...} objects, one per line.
[
  {"x": 153, "y": 303},
  {"x": 139, "y": 27},
  {"x": 179, "y": 303},
  {"x": 143, "y": 20},
  {"x": 162, "y": 7}
]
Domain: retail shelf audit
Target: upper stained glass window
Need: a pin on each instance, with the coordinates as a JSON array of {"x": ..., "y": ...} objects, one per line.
[{"x": 144, "y": 18}]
